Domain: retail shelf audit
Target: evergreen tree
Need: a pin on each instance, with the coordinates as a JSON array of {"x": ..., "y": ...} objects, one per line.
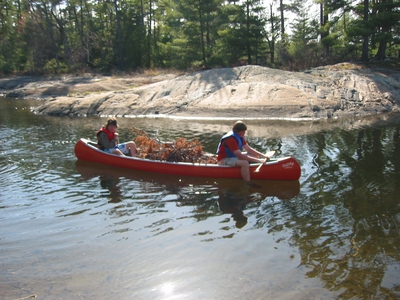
[
  {"x": 8, "y": 36},
  {"x": 384, "y": 19},
  {"x": 375, "y": 22},
  {"x": 67, "y": 35},
  {"x": 242, "y": 34},
  {"x": 273, "y": 34},
  {"x": 304, "y": 49},
  {"x": 196, "y": 31}
]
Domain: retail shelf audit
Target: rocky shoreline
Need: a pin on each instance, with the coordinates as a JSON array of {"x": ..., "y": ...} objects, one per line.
[{"x": 247, "y": 92}]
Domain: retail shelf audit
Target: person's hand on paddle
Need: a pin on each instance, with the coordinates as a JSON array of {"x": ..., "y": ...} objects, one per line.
[{"x": 268, "y": 155}]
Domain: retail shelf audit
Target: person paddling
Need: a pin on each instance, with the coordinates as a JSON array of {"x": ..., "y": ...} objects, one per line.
[
  {"x": 230, "y": 151},
  {"x": 107, "y": 140}
]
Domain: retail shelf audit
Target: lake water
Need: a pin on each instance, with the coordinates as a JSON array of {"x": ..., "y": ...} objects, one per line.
[{"x": 76, "y": 230}]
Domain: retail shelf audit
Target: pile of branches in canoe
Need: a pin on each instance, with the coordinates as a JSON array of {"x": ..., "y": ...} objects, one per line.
[{"x": 180, "y": 150}]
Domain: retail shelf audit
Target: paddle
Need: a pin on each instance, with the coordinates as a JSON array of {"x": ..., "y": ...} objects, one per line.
[{"x": 269, "y": 154}]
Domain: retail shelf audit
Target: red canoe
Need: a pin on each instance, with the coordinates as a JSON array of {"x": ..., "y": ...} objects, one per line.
[{"x": 286, "y": 168}]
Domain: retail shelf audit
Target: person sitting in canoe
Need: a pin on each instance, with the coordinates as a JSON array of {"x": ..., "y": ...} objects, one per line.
[
  {"x": 230, "y": 151},
  {"x": 107, "y": 140}
]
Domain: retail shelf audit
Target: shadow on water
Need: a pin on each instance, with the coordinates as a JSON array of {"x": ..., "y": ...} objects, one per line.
[{"x": 233, "y": 195}]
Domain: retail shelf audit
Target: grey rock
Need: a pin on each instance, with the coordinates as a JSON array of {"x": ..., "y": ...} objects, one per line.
[{"x": 244, "y": 92}]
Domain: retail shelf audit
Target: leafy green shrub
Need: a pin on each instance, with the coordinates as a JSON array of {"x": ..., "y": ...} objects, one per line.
[{"x": 52, "y": 67}]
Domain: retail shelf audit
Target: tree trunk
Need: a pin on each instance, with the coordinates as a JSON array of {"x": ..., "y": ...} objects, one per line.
[
  {"x": 282, "y": 18},
  {"x": 381, "y": 54},
  {"x": 272, "y": 44},
  {"x": 324, "y": 18},
  {"x": 203, "y": 52},
  {"x": 364, "y": 56},
  {"x": 119, "y": 37},
  {"x": 248, "y": 33},
  {"x": 149, "y": 36}
]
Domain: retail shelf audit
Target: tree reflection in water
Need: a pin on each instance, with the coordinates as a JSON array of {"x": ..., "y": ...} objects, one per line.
[{"x": 348, "y": 228}]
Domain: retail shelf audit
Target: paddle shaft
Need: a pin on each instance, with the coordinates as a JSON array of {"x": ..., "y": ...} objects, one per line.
[{"x": 269, "y": 154}]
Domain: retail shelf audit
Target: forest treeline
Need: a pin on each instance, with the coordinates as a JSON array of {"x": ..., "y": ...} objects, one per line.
[{"x": 63, "y": 36}]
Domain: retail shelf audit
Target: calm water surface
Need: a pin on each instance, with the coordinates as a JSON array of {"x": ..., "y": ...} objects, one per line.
[{"x": 75, "y": 230}]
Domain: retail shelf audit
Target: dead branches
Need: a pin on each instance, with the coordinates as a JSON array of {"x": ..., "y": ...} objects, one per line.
[{"x": 180, "y": 150}]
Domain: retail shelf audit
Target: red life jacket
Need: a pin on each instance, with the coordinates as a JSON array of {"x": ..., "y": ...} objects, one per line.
[{"x": 110, "y": 136}]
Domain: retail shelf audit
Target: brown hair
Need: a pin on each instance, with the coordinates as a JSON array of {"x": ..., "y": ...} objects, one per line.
[
  {"x": 239, "y": 126},
  {"x": 111, "y": 121}
]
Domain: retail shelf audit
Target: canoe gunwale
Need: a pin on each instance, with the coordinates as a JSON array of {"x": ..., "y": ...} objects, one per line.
[
  {"x": 88, "y": 143},
  {"x": 284, "y": 168}
]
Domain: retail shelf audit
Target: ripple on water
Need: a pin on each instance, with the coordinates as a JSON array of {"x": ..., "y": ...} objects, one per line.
[{"x": 74, "y": 233}]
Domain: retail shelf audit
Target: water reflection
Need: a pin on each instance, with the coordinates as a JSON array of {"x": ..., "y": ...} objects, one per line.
[
  {"x": 111, "y": 184},
  {"x": 233, "y": 195},
  {"x": 233, "y": 199},
  {"x": 348, "y": 232},
  {"x": 334, "y": 235}
]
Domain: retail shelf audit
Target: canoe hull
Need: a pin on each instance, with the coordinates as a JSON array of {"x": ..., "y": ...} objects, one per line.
[{"x": 286, "y": 168}]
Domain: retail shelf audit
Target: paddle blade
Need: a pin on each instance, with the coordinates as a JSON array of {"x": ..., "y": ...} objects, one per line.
[{"x": 270, "y": 153}]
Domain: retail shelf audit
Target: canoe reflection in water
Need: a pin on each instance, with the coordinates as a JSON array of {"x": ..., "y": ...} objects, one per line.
[{"x": 233, "y": 194}]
